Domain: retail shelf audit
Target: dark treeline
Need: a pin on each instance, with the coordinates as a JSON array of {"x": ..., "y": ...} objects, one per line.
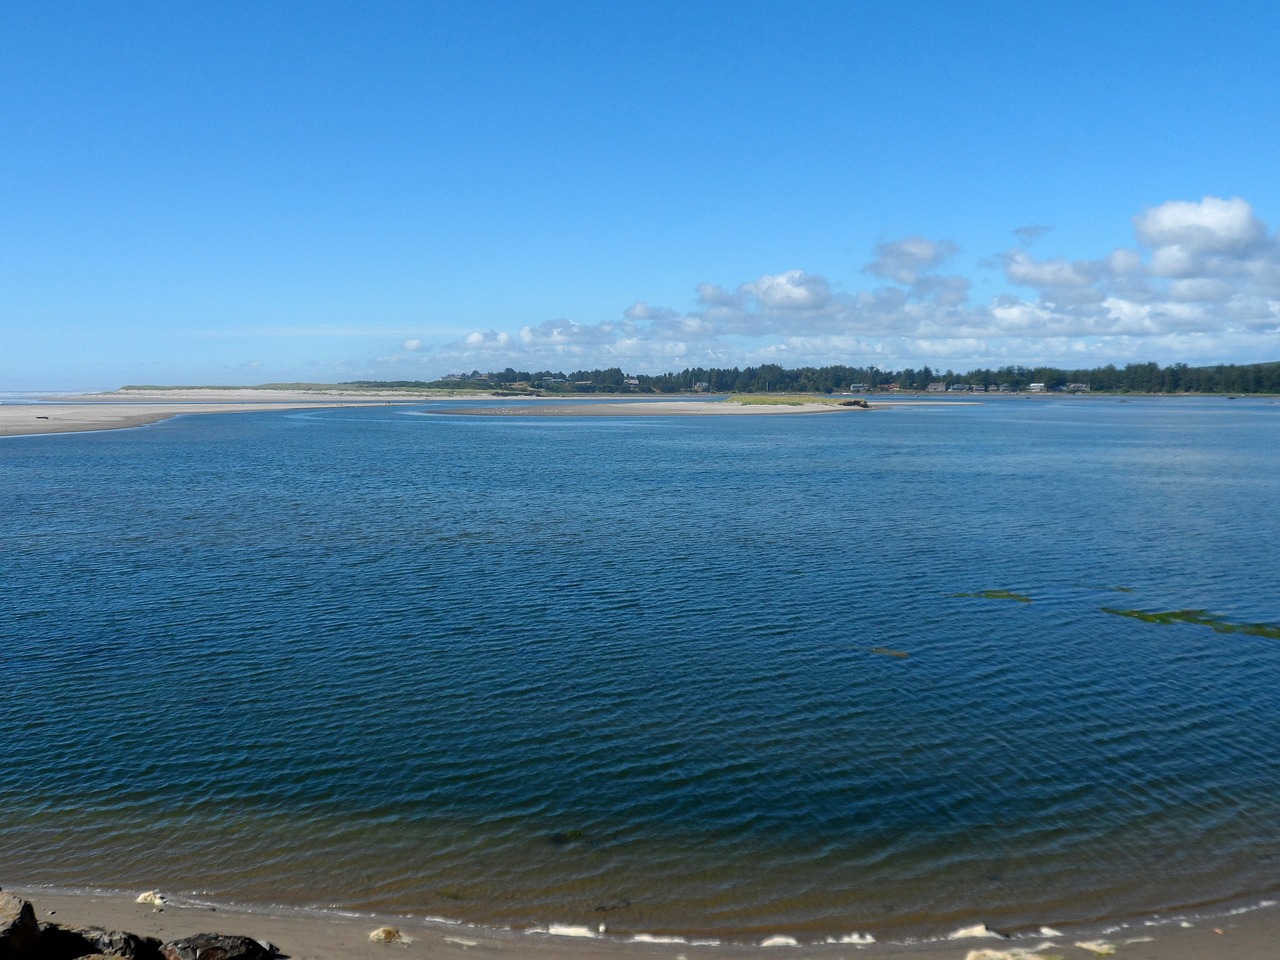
[{"x": 770, "y": 378}]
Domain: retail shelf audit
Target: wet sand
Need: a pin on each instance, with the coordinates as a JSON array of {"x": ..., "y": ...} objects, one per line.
[{"x": 1249, "y": 935}]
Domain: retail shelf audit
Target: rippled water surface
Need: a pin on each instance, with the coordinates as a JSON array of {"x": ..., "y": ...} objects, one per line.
[{"x": 623, "y": 670}]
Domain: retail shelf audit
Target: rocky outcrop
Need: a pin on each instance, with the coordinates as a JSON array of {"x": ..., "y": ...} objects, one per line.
[
  {"x": 22, "y": 937},
  {"x": 72, "y": 943},
  {"x": 19, "y": 931},
  {"x": 214, "y": 946}
]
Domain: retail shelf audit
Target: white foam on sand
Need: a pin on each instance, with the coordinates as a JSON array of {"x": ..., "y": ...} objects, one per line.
[
  {"x": 1260, "y": 905},
  {"x": 977, "y": 930},
  {"x": 567, "y": 930},
  {"x": 779, "y": 940}
]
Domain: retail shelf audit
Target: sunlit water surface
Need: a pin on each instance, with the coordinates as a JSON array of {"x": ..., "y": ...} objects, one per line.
[{"x": 520, "y": 671}]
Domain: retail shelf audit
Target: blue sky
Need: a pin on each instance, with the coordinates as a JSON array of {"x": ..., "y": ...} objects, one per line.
[{"x": 253, "y": 192}]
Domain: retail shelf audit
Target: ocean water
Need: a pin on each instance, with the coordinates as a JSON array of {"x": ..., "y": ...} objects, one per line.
[{"x": 650, "y": 672}]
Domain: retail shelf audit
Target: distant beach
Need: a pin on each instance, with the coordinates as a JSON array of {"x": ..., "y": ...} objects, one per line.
[
  {"x": 75, "y": 413},
  {"x": 646, "y": 408},
  {"x": 78, "y": 413}
]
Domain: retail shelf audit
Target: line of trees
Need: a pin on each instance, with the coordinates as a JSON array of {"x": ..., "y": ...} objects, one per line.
[{"x": 771, "y": 378}]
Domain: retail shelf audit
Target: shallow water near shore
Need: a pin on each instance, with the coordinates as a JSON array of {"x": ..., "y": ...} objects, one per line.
[{"x": 637, "y": 671}]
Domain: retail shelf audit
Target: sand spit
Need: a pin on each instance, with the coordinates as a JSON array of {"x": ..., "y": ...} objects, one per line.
[
  {"x": 313, "y": 935},
  {"x": 114, "y": 411},
  {"x": 645, "y": 408},
  {"x": 75, "y": 413}
]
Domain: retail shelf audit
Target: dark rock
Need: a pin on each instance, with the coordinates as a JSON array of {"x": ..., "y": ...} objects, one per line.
[
  {"x": 70, "y": 943},
  {"x": 215, "y": 946},
  {"x": 19, "y": 929}
]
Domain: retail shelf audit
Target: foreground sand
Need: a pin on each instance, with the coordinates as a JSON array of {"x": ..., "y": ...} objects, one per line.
[{"x": 1252, "y": 935}]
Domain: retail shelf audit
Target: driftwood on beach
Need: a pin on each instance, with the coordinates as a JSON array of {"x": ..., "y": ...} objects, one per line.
[{"x": 23, "y": 937}]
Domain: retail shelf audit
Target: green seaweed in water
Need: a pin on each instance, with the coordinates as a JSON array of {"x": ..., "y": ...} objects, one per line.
[
  {"x": 1200, "y": 618},
  {"x": 997, "y": 595}
]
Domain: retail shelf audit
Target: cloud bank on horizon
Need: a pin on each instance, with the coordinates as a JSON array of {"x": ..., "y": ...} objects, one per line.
[{"x": 1201, "y": 282}]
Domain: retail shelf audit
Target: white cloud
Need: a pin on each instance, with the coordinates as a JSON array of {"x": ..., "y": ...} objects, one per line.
[
  {"x": 1020, "y": 268},
  {"x": 906, "y": 260},
  {"x": 1200, "y": 284},
  {"x": 793, "y": 290},
  {"x": 1212, "y": 225},
  {"x": 413, "y": 345},
  {"x": 1205, "y": 289},
  {"x": 486, "y": 340}
]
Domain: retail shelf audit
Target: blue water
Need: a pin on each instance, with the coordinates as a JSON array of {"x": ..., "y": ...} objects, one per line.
[{"x": 520, "y": 670}]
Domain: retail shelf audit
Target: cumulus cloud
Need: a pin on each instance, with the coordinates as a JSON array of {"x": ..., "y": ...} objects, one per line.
[
  {"x": 906, "y": 260},
  {"x": 1201, "y": 283},
  {"x": 486, "y": 340},
  {"x": 793, "y": 290},
  {"x": 1212, "y": 225}
]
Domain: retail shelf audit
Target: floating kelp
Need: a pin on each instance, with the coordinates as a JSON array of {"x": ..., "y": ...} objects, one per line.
[
  {"x": 1200, "y": 618},
  {"x": 996, "y": 595},
  {"x": 886, "y": 652}
]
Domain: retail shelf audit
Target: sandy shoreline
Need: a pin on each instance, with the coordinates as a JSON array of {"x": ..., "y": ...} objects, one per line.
[
  {"x": 116, "y": 411},
  {"x": 1246, "y": 934},
  {"x": 123, "y": 409},
  {"x": 645, "y": 408}
]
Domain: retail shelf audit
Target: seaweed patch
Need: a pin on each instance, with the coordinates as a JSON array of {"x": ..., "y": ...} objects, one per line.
[
  {"x": 1200, "y": 618},
  {"x": 996, "y": 595}
]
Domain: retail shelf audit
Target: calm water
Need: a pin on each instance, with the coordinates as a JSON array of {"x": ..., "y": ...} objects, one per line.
[{"x": 585, "y": 670}]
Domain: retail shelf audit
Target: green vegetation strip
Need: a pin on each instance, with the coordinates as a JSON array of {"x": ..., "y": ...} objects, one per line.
[
  {"x": 1201, "y": 618},
  {"x": 783, "y": 399}
]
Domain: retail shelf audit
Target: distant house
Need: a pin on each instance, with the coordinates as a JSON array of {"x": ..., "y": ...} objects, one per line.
[
  {"x": 1077, "y": 388},
  {"x": 936, "y": 387},
  {"x": 1036, "y": 388},
  {"x": 958, "y": 388},
  {"x": 857, "y": 388}
]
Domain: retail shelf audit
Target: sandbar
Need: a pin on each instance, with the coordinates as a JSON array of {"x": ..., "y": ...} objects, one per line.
[
  {"x": 644, "y": 408},
  {"x": 77, "y": 413},
  {"x": 1250, "y": 934}
]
